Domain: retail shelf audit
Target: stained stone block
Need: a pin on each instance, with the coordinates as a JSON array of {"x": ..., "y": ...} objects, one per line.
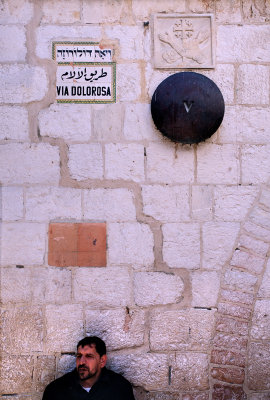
[
  {"x": 16, "y": 374},
  {"x": 44, "y": 371}
]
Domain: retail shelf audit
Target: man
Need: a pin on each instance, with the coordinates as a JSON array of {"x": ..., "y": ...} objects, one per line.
[{"x": 90, "y": 380}]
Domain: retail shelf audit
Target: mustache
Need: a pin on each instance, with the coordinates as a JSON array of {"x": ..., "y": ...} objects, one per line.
[{"x": 82, "y": 367}]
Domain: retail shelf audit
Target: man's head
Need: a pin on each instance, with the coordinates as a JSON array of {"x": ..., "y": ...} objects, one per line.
[{"x": 91, "y": 358}]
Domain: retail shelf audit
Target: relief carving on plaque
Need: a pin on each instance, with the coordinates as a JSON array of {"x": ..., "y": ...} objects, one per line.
[{"x": 183, "y": 41}]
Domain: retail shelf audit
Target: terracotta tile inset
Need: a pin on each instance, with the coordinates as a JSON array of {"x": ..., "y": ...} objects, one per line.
[{"x": 77, "y": 244}]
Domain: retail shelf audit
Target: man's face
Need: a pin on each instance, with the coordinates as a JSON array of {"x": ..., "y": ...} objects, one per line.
[{"x": 89, "y": 363}]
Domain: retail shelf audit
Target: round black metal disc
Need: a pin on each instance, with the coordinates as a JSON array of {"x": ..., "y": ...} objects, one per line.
[{"x": 187, "y": 107}]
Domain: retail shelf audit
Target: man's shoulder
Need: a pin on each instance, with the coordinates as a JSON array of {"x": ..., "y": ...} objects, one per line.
[
  {"x": 112, "y": 376},
  {"x": 63, "y": 381}
]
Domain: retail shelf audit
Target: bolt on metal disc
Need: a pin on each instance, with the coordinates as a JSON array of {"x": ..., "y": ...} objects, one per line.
[{"x": 187, "y": 107}]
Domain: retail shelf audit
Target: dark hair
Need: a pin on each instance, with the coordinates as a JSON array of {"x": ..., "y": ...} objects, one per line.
[{"x": 93, "y": 340}]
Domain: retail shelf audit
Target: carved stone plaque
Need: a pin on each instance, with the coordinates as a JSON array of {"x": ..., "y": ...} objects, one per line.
[{"x": 183, "y": 41}]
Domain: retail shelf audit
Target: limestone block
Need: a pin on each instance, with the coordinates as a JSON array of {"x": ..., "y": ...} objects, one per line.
[
  {"x": 124, "y": 161},
  {"x": 152, "y": 373},
  {"x": 237, "y": 297},
  {"x": 47, "y": 203},
  {"x": 103, "y": 286},
  {"x": 245, "y": 125},
  {"x": 256, "y": 11},
  {"x": 205, "y": 288},
  {"x": 39, "y": 163},
  {"x": 169, "y": 163},
  {"x": 239, "y": 280},
  {"x": 196, "y": 396},
  {"x": 265, "y": 197},
  {"x": 232, "y": 342},
  {"x": 151, "y": 6},
  {"x": 223, "y": 76},
  {"x": 21, "y": 329},
  {"x": 22, "y": 83},
  {"x": 252, "y": 84},
  {"x": 66, "y": 363},
  {"x": 107, "y": 120},
  {"x": 23, "y": 243},
  {"x": 231, "y": 325},
  {"x": 64, "y": 327},
  {"x": 131, "y": 40},
  {"x": 46, "y": 34},
  {"x": 218, "y": 243},
  {"x": 251, "y": 263},
  {"x": 44, "y": 372},
  {"x": 110, "y": 205},
  {"x": 119, "y": 328},
  {"x": 130, "y": 243},
  {"x": 202, "y": 203},
  {"x": 15, "y": 284},
  {"x": 261, "y": 217},
  {"x": 218, "y": 164},
  {"x": 230, "y": 392},
  {"x": 128, "y": 84},
  {"x": 245, "y": 43},
  {"x": 234, "y": 310},
  {"x": 190, "y": 370},
  {"x": 258, "y": 374},
  {"x": 232, "y": 203},
  {"x": 181, "y": 245},
  {"x": 260, "y": 329},
  {"x": 16, "y": 11},
  {"x": 228, "y": 12},
  {"x": 201, "y": 6},
  {"x": 60, "y": 12},
  {"x": 224, "y": 357},
  {"x": 255, "y": 164},
  {"x": 166, "y": 204},
  {"x": 152, "y": 288},
  {"x": 51, "y": 285},
  {"x": 103, "y": 12},
  {"x": 181, "y": 330},
  {"x": 12, "y": 203},
  {"x": 259, "y": 396},
  {"x": 264, "y": 290},
  {"x": 138, "y": 123},
  {"x": 258, "y": 231},
  {"x": 14, "y": 123},
  {"x": 85, "y": 161},
  {"x": 153, "y": 78},
  {"x": 16, "y": 374},
  {"x": 71, "y": 122},
  {"x": 12, "y": 43}
]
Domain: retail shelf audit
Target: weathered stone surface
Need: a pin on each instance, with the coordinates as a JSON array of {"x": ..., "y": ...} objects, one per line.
[
  {"x": 258, "y": 373},
  {"x": 181, "y": 245},
  {"x": 65, "y": 364},
  {"x": 224, "y": 357},
  {"x": 16, "y": 374},
  {"x": 130, "y": 243},
  {"x": 223, "y": 76},
  {"x": 252, "y": 84},
  {"x": 128, "y": 86},
  {"x": 202, "y": 202},
  {"x": 232, "y": 203},
  {"x": 231, "y": 325},
  {"x": 71, "y": 122},
  {"x": 190, "y": 370},
  {"x": 255, "y": 245},
  {"x": 64, "y": 327},
  {"x": 260, "y": 328},
  {"x": 39, "y": 163},
  {"x": 46, "y": 203},
  {"x": 131, "y": 41},
  {"x": 107, "y": 129},
  {"x": 15, "y": 284},
  {"x": 218, "y": 242},
  {"x": 150, "y": 7},
  {"x": 169, "y": 164},
  {"x": 138, "y": 123},
  {"x": 21, "y": 330},
  {"x": 103, "y": 12},
  {"x": 246, "y": 43},
  {"x": 259, "y": 396},
  {"x": 221, "y": 392},
  {"x": 255, "y": 166},
  {"x": 44, "y": 371},
  {"x": 85, "y": 161},
  {"x": 23, "y": 83},
  {"x": 141, "y": 394},
  {"x": 196, "y": 396},
  {"x": 234, "y": 310},
  {"x": 264, "y": 290},
  {"x": 251, "y": 263},
  {"x": 103, "y": 286},
  {"x": 228, "y": 12},
  {"x": 201, "y": 6},
  {"x": 23, "y": 243},
  {"x": 110, "y": 205},
  {"x": 153, "y": 371},
  {"x": 61, "y": 12},
  {"x": 124, "y": 161},
  {"x": 260, "y": 217},
  {"x": 12, "y": 203},
  {"x": 119, "y": 328},
  {"x": 14, "y": 123},
  {"x": 256, "y": 11},
  {"x": 188, "y": 329},
  {"x": 12, "y": 43},
  {"x": 166, "y": 204},
  {"x": 237, "y": 297},
  {"x": 205, "y": 288},
  {"x": 152, "y": 288},
  {"x": 265, "y": 197},
  {"x": 16, "y": 11},
  {"x": 229, "y": 375},
  {"x": 218, "y": 164},
  {"x": 230, "y": 342},
  {"x": 239, "y": 280},
  {"x": 256, "y": 230}
]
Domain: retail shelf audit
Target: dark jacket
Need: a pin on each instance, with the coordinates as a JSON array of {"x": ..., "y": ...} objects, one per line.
[{"x": 110, "y": 386}]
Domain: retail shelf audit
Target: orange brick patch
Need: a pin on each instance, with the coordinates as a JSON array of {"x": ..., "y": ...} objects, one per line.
[{"x": 77, "y": 244}]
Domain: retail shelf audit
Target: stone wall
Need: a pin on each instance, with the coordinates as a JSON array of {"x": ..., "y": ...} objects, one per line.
[{"x": 183, "y": 302}]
